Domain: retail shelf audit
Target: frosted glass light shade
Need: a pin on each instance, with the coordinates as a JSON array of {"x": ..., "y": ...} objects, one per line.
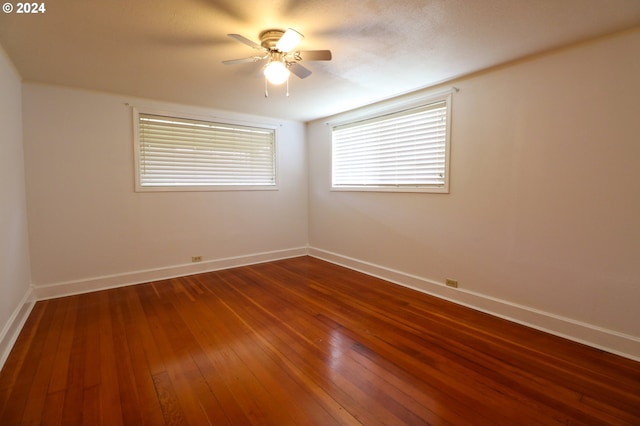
[
  {"x": 276, "y": 72},
  {"x": 289, "y": 40}
]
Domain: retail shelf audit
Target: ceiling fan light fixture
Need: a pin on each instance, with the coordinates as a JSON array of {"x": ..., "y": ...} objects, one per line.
[
  {"x": 276, "y": 72},
  {"x": 277, "y": 48}
]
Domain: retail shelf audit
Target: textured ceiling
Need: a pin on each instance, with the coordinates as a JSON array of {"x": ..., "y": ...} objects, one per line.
[{"x": 172, "y": 50}]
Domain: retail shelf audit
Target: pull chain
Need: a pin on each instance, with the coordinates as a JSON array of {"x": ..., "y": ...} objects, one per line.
[{"x": 266, "y": 87}]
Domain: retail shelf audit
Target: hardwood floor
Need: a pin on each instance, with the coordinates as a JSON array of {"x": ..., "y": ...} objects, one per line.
[{"x": 299, "y": 341}]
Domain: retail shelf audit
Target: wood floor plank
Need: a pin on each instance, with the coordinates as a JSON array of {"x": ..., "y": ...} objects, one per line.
[
  {"x": 25, "y": 344},
  {"x": 43, "y": 371},
  {"x": 110, "y": 405},
  {"x": 143, "y": 355},
  {"x": 129, "y": 399},
  {"x": 72, "y": 411},
  {"x": 60, "y": 368},
  {"x": 91, "y": 410},
  {"x": 302, "y": 342},
  {"x": 52, "y": 410},
  {"x": 171, "y": 410},
  {"x": 182, "y": 379},
  {"x": 17, "y": 390}
]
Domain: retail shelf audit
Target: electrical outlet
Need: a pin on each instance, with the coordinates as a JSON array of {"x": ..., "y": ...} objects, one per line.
[
  {"x": 196, "y": 258},
  {"x": 451, "y": 283}
]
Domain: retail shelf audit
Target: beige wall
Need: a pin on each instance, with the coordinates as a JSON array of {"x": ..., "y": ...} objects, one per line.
[
  {"x": 14, "y": 241},
  {"x": 543, "y": 217},
  {"x": 87, "y": 223}
]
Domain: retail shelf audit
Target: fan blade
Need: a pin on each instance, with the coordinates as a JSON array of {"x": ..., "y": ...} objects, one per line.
[
  {"x": 300, "y": 71},
  {"x": 315, "y": 55},
  {"x": 289, "y": 40},
  {"x": 246, "y": 41}
]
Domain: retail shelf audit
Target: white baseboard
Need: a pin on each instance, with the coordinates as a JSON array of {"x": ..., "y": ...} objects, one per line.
[
  {"x": 51, "y": 291},
  {"x": 11, "y": 330},
  {"x": 598, "y": 337}
]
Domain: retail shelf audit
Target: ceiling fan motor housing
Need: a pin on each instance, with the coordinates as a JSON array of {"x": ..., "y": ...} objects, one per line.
[{"x": 269, "y": 38}]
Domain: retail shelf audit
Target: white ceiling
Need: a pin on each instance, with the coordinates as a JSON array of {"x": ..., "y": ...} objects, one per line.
[{"x": 172, "y": 50}]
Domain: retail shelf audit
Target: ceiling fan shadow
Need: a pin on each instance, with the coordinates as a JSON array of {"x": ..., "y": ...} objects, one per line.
[
  {"x": 291, "y": 6},
  {"x": 367, "y": 30},
  {"x": 230, "y": 8},
  {"x": 188, "y": 41}
]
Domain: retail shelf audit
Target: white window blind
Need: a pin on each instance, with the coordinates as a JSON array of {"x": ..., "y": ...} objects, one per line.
[
  {"x": 174, "y": 153},
  {"x": 402, "y": 151}
]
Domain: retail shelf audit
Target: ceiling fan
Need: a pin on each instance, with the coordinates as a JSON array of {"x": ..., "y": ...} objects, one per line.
[{"x": 277, "y": 47}]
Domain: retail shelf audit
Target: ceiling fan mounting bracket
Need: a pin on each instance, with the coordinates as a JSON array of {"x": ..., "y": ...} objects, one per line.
[{"x": 269, "y": 38}]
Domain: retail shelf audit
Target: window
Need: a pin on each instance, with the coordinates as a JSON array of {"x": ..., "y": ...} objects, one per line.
[
  {"x": 404, "y": 151},
  {"x": 176, "y": 153}
]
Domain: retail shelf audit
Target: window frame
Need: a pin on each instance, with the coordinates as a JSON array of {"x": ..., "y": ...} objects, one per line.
[
  {"x": 396, "y": 106},
  {"x": 139, "y": 187}
]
